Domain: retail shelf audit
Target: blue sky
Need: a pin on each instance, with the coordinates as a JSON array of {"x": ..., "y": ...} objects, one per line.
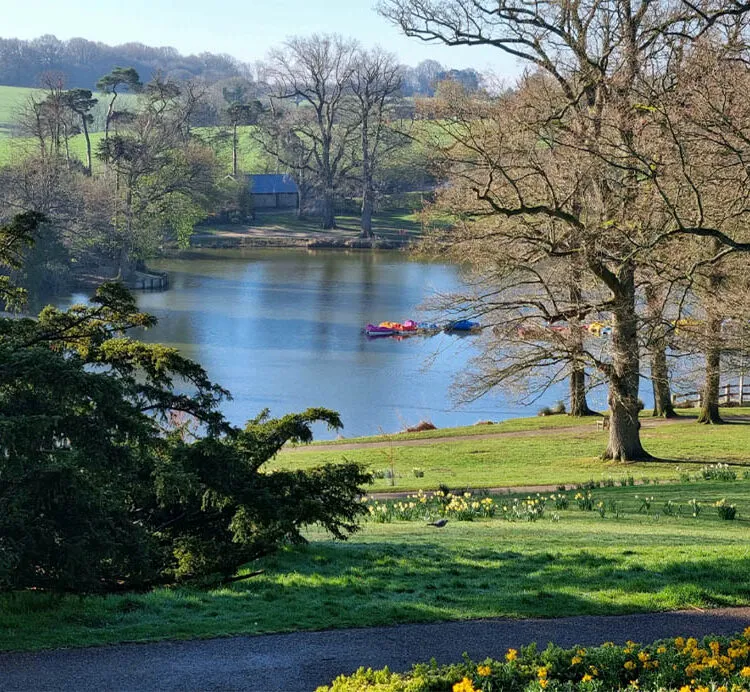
[{"x": 245, "y": 29}]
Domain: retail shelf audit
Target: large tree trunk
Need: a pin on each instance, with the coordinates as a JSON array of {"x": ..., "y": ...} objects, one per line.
[
  {"x": 624, "y": 430},
  {"x": 578, "y": 404},
  {"x": 710, "y": 405},
  {"x": 329, "y": 216},
  {"x": 663, "y": 406},
  {"x": 366, "y": 222},
  {"x": 366, "y": 219}
]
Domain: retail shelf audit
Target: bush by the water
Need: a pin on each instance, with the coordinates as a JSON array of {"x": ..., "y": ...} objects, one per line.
[
  {"x": 111, "y": 478},
  {"x": 669, "y": 665}
]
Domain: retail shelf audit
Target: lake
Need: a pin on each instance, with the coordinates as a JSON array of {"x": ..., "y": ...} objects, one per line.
[{"x": 282, "y": 329}]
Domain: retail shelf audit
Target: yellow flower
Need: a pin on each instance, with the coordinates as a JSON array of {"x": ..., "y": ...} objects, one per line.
[
  {"x": 542, "y": 673},
  {"x": 634, "y": 684},
  {"x": 745, "y": 672},
  {"x": 643, "y": 657},
  {"x": 575, "y": 660},
  {"x": 543, "y": 683},
  {"x": 679, "y": 642},
  {"x": 661, "y": 650},
  {"x": 686, "y": 688},
  {"x": 630, "y": 665},
  {"x": 746, "y": 633},
  {"x": 586, "y": 678},
  {"x": 594, "y": 670},
  {"x": 512, "y": 655},
  {"x": 464, "y": 686},
  {"x": 484, "y": 671}
]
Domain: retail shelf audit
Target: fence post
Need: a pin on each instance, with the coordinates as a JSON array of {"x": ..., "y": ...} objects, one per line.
[
  {"x": 742, "y": 389},
  {"x": 727, "y": 394}
]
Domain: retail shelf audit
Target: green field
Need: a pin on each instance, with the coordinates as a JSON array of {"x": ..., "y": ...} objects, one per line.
[
  {"x": 547, "y": 458},
  {"x": 11, "y": 100},
  {"x": 568, "y": 562}
]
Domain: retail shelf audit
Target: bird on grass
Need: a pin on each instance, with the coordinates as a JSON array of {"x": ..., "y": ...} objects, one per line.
[{"x": 440, "y": 523}]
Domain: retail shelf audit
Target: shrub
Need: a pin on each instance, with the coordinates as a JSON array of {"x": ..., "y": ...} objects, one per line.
[
  {"x": 559, "y": 408},
  {"x": 585, "y": 501},
  {"x": 418, "y": 472},
  {"x": 718, "y": 472},
  {"x": 544, "y": 411},
  {"x": 726, "y": 512},
  {"x": 421, "y": 426},
  {"x": 103, "y": 488}
]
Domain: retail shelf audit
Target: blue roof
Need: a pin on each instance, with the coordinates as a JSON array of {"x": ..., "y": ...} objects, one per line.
[{"x": 269, "y": 184}]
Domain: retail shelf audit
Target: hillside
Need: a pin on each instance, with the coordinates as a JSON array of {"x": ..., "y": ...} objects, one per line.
[
  {"x": 84, "y": 62},
  {"x": 11, "y": 99}
]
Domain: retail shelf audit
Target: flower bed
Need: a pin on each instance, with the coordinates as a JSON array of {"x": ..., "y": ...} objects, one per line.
[{"x": 715, "y": 664}]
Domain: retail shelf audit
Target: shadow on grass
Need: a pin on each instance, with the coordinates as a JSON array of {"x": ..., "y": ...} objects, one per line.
[
  {"x": 327, "y": 585},
  {"x": 384, "y": 583}
]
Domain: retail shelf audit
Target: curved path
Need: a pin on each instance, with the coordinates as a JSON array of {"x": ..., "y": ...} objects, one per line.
[{"x": 301, "y": 661}]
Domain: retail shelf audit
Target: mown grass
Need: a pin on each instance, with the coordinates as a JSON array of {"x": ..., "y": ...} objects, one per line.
[
  {"x": 578, "y": 564},
  {"x": 547, "y": 458}
]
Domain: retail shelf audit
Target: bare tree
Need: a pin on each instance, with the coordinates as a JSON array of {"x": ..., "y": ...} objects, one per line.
[
  {"x": 578, "y": 165},
  {"x": 375, "y": 82},
  {"x": 312, "y": 76}
]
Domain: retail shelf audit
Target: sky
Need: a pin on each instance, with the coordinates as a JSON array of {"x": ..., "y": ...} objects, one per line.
[{"x": 245, "y": 29}]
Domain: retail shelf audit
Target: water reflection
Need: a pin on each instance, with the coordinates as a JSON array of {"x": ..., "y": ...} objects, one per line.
[{"x": 281, "y": 329}]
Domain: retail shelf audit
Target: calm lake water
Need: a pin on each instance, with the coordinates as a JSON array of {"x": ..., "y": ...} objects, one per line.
[{"x": 282, "y": 329}]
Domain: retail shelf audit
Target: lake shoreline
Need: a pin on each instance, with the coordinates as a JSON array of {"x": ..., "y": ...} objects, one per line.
[{"x": 258, "y": 238}]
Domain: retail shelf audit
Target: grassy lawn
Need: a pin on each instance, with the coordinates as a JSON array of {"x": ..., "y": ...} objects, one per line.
[
  {"x": 285, "y": 227},
  {"x": 575, "y": 563},
  {"x": 542, "y": 459}
]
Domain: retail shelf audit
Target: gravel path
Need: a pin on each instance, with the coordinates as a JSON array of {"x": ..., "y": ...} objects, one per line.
[{"x": 301, "y": 661}]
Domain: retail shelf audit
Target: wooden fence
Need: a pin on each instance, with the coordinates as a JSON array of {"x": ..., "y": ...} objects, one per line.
[{"x": 730, "y": 394}]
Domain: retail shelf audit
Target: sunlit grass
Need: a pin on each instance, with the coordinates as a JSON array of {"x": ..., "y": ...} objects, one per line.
[
  {"x": 628, "y": 561},
  {"x": 546, "y": 458}
]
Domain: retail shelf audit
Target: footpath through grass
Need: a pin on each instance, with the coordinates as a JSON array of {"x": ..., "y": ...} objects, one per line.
[
  {"x": 568, "y": 562},
  {"x": 535, "y": 454}
]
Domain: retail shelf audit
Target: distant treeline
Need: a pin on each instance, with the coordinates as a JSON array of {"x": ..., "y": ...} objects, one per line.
[{"x": 83, "y": 62}]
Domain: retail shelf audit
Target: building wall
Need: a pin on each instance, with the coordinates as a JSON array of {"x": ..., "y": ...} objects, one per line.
[{"x": 282, "y": 200}]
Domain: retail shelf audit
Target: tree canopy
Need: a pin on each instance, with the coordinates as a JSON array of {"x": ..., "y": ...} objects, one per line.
[{"x": 117, "y": 469}]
